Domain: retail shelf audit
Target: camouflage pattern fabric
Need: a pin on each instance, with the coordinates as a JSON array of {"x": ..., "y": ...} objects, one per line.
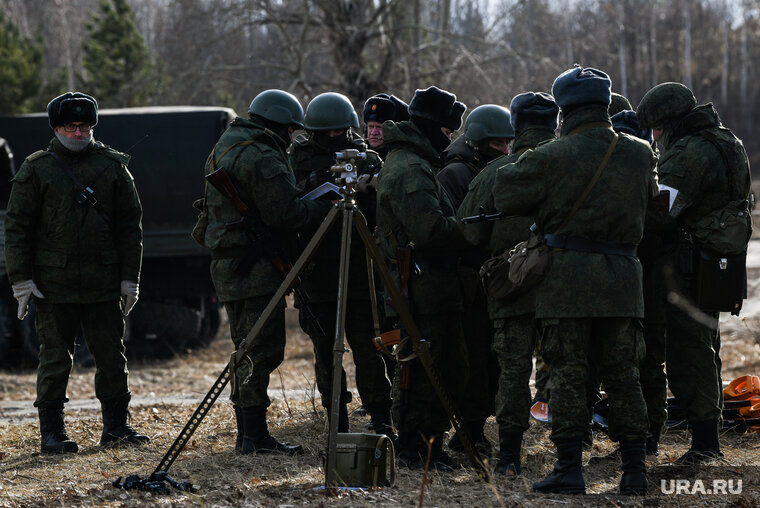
[
  {"x": 68, "y": 249},
  {"x": 264, "y": 180},
  {"x": 514, "y": 341},
  {"x": 413, "y": 208},
  {"x": 587, "y": 298},
  {"x": 102, "y": 326},
  {"x": 575, "y": 349},
  {"x": 265, "y": 354},
  {"x": 547, "y": 181},
  {"x": 371, "y": 379},
  {"x": 695, "y": 167}
]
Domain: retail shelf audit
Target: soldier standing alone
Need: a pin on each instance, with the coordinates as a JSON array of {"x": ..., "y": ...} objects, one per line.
[{"x": 73, "y": 242}]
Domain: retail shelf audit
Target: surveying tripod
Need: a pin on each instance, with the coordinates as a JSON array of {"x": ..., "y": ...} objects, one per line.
[{"x": 345, "y": 173}]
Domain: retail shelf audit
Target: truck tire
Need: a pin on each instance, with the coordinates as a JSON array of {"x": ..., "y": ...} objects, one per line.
[
  {"x": 161, "y": 330},
  {"x": 209, "y": 324},
  {"x": 8, "y": 332}
]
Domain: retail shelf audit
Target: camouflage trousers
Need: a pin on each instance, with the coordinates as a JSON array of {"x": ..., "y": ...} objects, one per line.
[
  {"x": 694, "y": 365},
  {"x": 102, "y": 326},
  {"x": 514, "y": 341},
  {"x": 542, "y": 375},
  {"x": 265, "y": 354},
  {"x": 576, "y": 349},
  {"x": 418, "y": 408},
  {"x": 654, "y": 383},
  {"x": 371, "y": 379}
]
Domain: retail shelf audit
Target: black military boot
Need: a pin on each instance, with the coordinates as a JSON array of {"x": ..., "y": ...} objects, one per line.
[
  {"x": 478, "y": 437},
  {"x": 409, "y": 450},
  {"x": 240, "y": 429},
  {"x": 652, "y": 443},
  {"x": 439, "y": 459},
  {"x": 115, "y": 426},
  {"x": 52, "y": 429},
  {"x": 705, "y": 444},
  {"x": 382, "y": 422},
  {"x": 633, "y": 461},
  {"x": 256, "y": 437},
  {"x": 510, "y": 445},
  {"x": 567, "y": 477}
]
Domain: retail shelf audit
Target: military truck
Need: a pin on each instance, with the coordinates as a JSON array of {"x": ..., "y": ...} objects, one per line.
[{"x": 178, "y": 307}]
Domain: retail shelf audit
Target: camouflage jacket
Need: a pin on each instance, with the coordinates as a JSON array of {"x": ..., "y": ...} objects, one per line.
[
  {"x": 68, "y": 249},
  {"x": 547, "y": 181},
  {"x": 497, "y": 236},
  {"x": 695, "y": 167},
  {"x": 311, "y": 163},
  {"x": 412, "y": 207},
  {"x": 264, "y": 180},
  {"x": 461, "y": 164}
]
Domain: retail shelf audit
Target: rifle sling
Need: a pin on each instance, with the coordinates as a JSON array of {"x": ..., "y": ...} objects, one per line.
[{"x": 83, "y": 189}]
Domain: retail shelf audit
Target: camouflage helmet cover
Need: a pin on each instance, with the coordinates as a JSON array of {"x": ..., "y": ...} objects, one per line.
[
  {"x": 277, "y": 106},
  {"x": 330, "y": 110},
  {"x": 665, "y": 101},
  {"x": 488, "y": 121}
]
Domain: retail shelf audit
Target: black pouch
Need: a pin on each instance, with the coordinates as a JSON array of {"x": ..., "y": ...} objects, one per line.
[{"x": 721, "y": 281}]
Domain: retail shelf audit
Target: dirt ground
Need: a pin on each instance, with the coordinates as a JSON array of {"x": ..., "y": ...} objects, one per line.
[{"x": 165, "y": 394}]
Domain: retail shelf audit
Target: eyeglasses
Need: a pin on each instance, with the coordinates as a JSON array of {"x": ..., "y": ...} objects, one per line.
[{"x": 72, "y": 127}]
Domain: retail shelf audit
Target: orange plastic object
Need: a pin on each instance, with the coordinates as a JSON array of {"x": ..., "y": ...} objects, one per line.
[
  {"x": 540, "y": 411},
  {"x": 742, "y": 388},
  {"x": 752, "y": 411}
]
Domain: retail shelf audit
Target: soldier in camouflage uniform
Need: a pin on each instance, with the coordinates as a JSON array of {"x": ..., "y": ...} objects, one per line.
[
  {"x": 77, "y": 251},
  {"x": 589, "y": 304},
  {"x": 252, "y": 151},
  {"x": 706, "y": 178},
  {"x": 414, "y": 211},
  {"x": 487, "y": 133},
  {"x": 534, "y": 119},
  {"x": 328, "y": 120}
]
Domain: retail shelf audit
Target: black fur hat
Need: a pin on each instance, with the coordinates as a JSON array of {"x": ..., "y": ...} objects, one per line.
[
  {"x": 533, "y": 108},
  {"x": 72, "y": 107},
  {"x": 438, "y": 106},
  {"x": 382, "y": 107}
]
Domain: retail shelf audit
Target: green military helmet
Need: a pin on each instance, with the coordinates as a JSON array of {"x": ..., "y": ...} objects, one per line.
[
  {"x": 664, "y": 102},
  {"x": 277, "y": 106},
  {"x": 488, "y": 121},
  {"x": 618, "y": 103},
  {"x": 330, "y": 110}
]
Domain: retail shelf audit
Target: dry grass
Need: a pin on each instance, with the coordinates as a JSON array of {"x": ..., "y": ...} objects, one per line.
[{"x": 225, "y": 478}]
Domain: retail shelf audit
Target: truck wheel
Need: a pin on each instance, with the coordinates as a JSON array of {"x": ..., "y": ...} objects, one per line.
[
  {"x": 161, "y": 330},
  {"x": 8, "y": 331},
  {"x": 209, "y": 324}
]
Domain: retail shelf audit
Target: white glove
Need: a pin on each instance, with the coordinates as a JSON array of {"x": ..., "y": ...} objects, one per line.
[
  {"x": 365, "y": 182},
  {"x": 23, "y": 291},
  {"x": 129, "y": 290}
]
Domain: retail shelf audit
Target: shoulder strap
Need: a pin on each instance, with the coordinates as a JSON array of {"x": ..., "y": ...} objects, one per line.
[
  {"x": 712, "y": 139},
  {"x": 591, "y": 184},
  {"x": 85, "y": 192}
]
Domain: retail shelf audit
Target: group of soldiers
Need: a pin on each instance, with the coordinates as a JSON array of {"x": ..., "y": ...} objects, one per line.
[
  {"x": 579, "y": 165},
  {"x": 592, "y": 190}
]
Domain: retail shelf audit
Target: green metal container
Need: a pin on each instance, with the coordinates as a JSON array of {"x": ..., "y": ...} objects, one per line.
[{"x": 364, "y": 460}]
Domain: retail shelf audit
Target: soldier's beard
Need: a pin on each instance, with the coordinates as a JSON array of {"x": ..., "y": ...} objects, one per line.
[{"x": 75, "y": 145}]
